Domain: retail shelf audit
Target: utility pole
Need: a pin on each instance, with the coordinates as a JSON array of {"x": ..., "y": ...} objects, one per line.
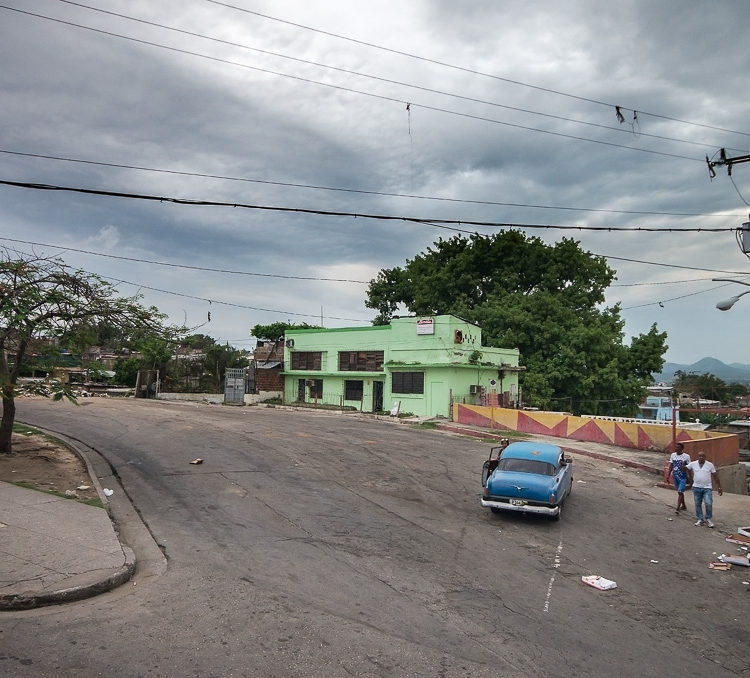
[{"x": 724, "y": 160}]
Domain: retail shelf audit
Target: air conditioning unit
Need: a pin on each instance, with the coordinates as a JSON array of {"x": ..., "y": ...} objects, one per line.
[
  {"x": 290, "y": 343},
  {"x": 475, "y": 388},
  {"x": 310, "y": 382}
]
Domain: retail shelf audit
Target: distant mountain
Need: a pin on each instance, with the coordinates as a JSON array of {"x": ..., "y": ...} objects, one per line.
[{"x": 734, "y": 373}]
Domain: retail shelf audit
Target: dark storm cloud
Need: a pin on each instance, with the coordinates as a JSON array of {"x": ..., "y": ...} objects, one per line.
[{"x": 84, "y": 95}]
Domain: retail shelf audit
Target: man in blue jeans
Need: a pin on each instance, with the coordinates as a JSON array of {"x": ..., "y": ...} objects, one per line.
[{"x": 702, "y": 474}]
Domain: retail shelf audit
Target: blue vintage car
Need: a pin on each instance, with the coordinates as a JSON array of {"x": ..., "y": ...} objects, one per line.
[{"x": 530, "y": 477}]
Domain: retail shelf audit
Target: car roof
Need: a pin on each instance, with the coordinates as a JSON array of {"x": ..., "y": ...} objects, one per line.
[{"x": 533, "y": 450}]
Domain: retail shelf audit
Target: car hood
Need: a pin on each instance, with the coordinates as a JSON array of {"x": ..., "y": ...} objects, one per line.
[{"x": 521, "y": 485}]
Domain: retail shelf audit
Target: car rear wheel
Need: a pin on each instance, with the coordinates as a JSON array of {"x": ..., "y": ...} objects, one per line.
[{"x": 558, "y": 515}]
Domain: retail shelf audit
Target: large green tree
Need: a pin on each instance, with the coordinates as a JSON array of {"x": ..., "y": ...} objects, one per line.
[
  {"x": 42, "y": 297},
  {"x": 545, "y": 300}
]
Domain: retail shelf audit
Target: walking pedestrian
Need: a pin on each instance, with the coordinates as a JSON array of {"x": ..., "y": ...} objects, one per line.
[
  {"x": 678, "y": 461},
  {"x": 703, "y": 474}
]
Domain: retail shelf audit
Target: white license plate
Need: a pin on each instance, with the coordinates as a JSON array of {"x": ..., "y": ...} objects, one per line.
[{"x": 517, "y": 502}]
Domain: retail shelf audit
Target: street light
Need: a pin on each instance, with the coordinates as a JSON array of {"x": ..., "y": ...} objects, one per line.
[{"x": 726, "y": 304}]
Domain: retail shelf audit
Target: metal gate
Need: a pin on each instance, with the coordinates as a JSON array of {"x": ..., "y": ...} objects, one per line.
[{"x": 234, "y": 386}]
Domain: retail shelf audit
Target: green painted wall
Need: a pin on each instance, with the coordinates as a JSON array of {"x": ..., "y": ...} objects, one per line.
[{"x": 446, "y": 349}]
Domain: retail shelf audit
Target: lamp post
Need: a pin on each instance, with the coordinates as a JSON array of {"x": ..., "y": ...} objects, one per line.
[{"x": 726, "y": 304}]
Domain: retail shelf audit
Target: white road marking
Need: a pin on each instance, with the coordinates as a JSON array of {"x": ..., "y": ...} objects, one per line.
[{"x": 552, "y": 578}]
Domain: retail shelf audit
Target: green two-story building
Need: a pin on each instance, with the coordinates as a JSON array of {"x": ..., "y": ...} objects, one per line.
[{"x": 415, "y": 364}]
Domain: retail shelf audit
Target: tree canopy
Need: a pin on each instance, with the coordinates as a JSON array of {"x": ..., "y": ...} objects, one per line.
[
  {"x": 275, "y": 331},
  {"x": 545, "y": 300},
  {"x": 707, "y": 386},
  {"x": 41, "y": 297}
]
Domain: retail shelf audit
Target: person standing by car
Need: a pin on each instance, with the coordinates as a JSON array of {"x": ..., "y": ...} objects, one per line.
[
  {"x": 702, "y": 473},
  {"x": 678, "y": 461}
]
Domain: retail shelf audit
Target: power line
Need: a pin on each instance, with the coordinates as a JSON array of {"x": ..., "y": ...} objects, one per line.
[
  {"x": 286, "y": 184},
  {"x": 181, "y": 294},
  {"x": 681, "y": 266},
  {"x": 357, "y": 91},
  {"x": 269, "y": 275},
  {"x": 194, "y": 268},
  {"x": 385, "y": 80},
  {"x": 227, "y": 303},
  {"x": 473, "y": 71},
  {"x": 449, "y": 224}
]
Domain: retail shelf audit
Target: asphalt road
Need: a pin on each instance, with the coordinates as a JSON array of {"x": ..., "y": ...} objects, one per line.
[{"x": 332, "y": 545}]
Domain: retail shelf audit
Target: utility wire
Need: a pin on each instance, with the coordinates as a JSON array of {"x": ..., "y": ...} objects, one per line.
[
  {"x": 287, "y": 184},
  {"x": 363, "y": 282},
  {"x": 449, "y": 224},
  {"x": 227, "y": 303},
  {"x": 357, "y": 91},
  {"x": 388, "y": 80},
  {"x": 194, "y": 268},
  {"x": 472, "y": 71},
  {"x": 181, "y": 294}
]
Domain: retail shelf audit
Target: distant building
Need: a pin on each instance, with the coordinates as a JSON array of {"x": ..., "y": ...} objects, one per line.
[
  {"x": 413, "y": 364},
  {"x": 264, "y": 374},
  {"x": 658, "y": 408}
]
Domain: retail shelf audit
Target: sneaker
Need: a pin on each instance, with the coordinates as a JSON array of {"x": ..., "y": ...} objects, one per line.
[
  {"x": 698, "y": 523},
  {"x": 710, "y": 523}
]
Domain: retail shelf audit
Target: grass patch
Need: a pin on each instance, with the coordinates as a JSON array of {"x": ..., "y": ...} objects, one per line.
[
  {"x": 427, "y": 425},
  {"x": 23, "y": 430},
  {"x": 323, "y": 406},
  {"x": 89, "y": 502}
]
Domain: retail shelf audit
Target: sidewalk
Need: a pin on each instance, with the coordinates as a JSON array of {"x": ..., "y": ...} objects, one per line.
[{"x": 55, "y": 550}]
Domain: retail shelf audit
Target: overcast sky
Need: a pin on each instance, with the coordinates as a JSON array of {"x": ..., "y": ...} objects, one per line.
[{"x": 302, "y": 105}]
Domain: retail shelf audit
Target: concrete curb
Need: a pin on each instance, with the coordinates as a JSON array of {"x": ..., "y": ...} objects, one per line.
[
  {"x": 122, "y": 518},
  {"x": 31, "y": 600}
]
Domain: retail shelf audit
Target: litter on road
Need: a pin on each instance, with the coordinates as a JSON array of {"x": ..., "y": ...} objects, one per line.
[
  {"x": 599, "y": 582},
  {"x": 742, "y": 561}
]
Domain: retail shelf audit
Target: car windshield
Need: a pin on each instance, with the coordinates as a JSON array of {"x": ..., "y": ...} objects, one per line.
[{"x": 542, "y": 468}]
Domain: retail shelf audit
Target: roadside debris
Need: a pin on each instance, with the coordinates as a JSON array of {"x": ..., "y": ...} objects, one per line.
[
  {"x": 108, "y": 492},
  {"x": 735, "y": 560},
  {"x": 599, "y": 582},
  {"x": 197, "y": 461},
  {"x": 718, "y": 565}
]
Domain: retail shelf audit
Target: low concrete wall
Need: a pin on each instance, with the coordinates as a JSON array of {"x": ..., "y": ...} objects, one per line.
[
  {"x": 733, "y": 479},
  {"x": 262, "y": 396},
  {"x": 721, "y": 448},
  {"x": 216, "y": 398}
]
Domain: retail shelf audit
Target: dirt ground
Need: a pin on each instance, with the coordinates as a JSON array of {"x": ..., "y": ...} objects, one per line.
[{"x": 45, "y": 464}]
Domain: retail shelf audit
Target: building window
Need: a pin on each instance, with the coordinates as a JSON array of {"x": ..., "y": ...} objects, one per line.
[
  {"x": 361, "y": 361},
  {"x": 353, "y": 389},
  {"x": 408, "y": 382},
  {"x": 306, "y": 360},
  {"x": 316, "y": 388}
]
